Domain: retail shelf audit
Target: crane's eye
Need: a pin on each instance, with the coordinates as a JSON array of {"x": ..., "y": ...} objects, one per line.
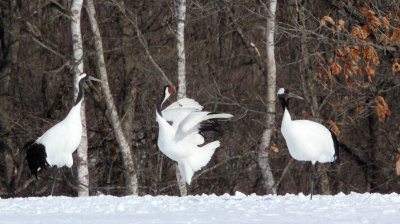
[{"x": 169, "y": 89}]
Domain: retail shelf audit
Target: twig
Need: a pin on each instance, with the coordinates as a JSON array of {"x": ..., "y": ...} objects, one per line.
[{"x": 143, "y": 41}]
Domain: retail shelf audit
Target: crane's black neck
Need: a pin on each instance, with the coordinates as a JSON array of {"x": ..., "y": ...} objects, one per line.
[
  {"x": 80, "y": 91},
  {"x": 284, "y": 102}
]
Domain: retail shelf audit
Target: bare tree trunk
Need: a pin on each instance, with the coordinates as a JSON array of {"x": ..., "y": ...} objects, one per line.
[
  {"x": 82, "y": 164},
  {"x": 180, "y": 45},
  {"x": 263, "y": 157},
  {"x": 128, "y": 162}
]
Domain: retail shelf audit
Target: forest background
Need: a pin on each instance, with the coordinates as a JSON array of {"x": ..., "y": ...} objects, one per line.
[{"x": 342, "y": 56}]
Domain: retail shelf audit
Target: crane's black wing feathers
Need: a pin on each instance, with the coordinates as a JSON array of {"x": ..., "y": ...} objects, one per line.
[
  {"x": 336, "y": 145},
  {"x": 36, "y": 157}
]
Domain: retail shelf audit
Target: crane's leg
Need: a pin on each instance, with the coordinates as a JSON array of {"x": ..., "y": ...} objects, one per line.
[
  {"x": 54, "y": 181},
  {"x": 77, "y": 182},
  {"x": 188, "y": 188},
  {"x": 312, "y": 180}
]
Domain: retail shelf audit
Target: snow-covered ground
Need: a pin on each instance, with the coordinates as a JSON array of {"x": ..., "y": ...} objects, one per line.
[{"x": 353, "y": 208}]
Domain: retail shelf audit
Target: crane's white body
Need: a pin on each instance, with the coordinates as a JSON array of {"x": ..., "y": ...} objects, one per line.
[
  {"x": 180, "y": 140},
  {"x": 63, "y": 139},
  {"x": 307, "y": 140}
]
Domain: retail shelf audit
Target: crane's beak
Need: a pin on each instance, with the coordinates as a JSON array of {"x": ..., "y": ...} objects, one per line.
[
  {"x": 94, "y": 79},
  {"x": 291, "y": 95}
]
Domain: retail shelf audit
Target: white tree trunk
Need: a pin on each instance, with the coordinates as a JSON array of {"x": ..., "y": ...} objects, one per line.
[
  {"x": 180, "y": 8},
  {"x": 82, "y": 163},
  {"x": 128, "y": 162},
  {"x": 180, "y": 46},
  {"x": 263, "y": 157}
]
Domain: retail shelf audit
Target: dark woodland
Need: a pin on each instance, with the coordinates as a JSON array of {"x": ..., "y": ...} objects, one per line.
[{"x": 342, "y": 56}]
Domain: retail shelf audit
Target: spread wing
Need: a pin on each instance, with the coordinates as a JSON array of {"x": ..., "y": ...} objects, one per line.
[{"x": 179, "y": 110}]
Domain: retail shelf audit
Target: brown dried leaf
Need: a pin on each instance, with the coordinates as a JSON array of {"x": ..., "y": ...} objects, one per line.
[
  {"x": 272, "y": 148},
  {"x": 375, "y": 21},
  {"x": 351, "y": 120},
  {"x": 327, "y": 19},
  {"x": 340, "y": 54},
  {"x": 382, "y": 108},
  {"x": 395, "y": 37},
  {"x": 335, "y": 68},
  {"x": 385, "y": 22},
  {"x": 384, "y": 38},
  {"x": 398, "y": 164},
  {"x": 362, "y": 84},
  {"x": 341, "y": 24},
  {"x": 370, "y": 54},
  {"x": 395, "y": 66},
  {"x": 370, "y": 16},
  {"x": 369, "y": 70},
  {"x": 305, "y": 114},
  {"x": 334, "y": 127},
  {"x": 359, "y": 32},
  {"x": 354, "y": 53}
]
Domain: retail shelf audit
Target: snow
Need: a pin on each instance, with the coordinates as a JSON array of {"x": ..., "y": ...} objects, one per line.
[{"x": 240, "y": 208}]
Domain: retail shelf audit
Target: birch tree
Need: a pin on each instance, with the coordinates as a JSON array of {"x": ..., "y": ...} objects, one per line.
[
  {"x": 263, "y": 157},
  {"x": 82, "y": 164},
  {"x": 128, "y": 162},
  {"x": 180, "y": 10}
]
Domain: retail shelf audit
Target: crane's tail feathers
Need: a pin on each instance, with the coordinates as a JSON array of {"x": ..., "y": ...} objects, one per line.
[
  {"x": 186, "y": 172},
  {"x": 36, "y": 157},
  {"x": 336, "y": 146},
  {"x": 203, "y": 155}
]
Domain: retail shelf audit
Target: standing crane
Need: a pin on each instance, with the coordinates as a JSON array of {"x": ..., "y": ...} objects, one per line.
[
  {"x": 56, "y": 145},
  {"x": 307, "y": 140}
]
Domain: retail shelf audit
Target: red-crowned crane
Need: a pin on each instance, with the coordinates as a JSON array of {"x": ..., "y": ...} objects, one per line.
[
  {"x": 307, "y": 140},
  {"x": 179, "y": 136},
  {"x": 56, "y": 145}
]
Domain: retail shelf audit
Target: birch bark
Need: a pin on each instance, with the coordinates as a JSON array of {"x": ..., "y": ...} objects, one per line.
[
  {"x": 263, "y": 156},
  {"x": 128, "y": 162},
  {"x": 82, "y": 163},
  {"x": 180, "y": 45}
]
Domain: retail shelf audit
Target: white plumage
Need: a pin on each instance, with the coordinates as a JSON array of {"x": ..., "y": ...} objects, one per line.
[
  {"x": 63, "y": 139},
  {"x": 179, "y": 138},
  {"x": 307, "y": 140},
  {"x": 56, "y": 145}
]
